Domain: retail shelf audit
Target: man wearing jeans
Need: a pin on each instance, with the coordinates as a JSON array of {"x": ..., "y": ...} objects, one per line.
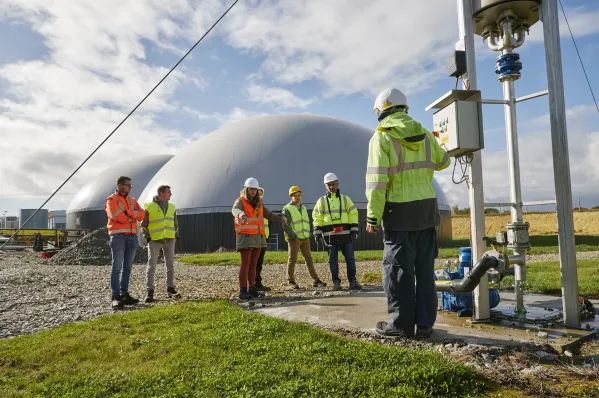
[
  {"x": 336, "y": 222},
  {"x": 159, "y": 228},
  {"x": 123, "y": 214}
]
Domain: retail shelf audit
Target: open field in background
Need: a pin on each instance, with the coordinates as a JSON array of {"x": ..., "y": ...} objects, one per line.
[{"x": 585, "y": 223}]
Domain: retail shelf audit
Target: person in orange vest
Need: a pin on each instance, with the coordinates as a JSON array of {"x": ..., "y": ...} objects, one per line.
[
  {"x": 249, "y": 213},
  {"x": 123, "y": 213}
]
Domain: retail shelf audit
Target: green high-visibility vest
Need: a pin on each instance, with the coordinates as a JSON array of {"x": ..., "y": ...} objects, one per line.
[
  {"x": 160, "y": 225},
  {"x": 300, "y": 221}
]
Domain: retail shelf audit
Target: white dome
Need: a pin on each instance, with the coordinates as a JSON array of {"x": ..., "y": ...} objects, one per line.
[
  {"x": 92, "y": 196},
  {"x": 279, "y": 151}
]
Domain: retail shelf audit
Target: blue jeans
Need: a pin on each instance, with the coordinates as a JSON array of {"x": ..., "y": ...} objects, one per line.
[
  {"x": 408, "y": 256},
  {"x": 348, "y": 252},
  {"x": 123, "y": 248}
]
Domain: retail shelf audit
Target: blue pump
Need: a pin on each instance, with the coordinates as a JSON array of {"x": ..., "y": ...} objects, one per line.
[{"x": 463, "y": 303}]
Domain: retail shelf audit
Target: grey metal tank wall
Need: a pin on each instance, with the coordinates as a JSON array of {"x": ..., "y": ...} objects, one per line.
[
  {"x": 88, "y": 219},
  {"x": 208, "y": 232}
]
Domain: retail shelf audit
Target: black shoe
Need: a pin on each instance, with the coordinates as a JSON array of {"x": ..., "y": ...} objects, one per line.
[
  {"x": 128, "y": 300},
  {"x": 387, "y": 329},
  {"x": 172, "y": 293},
  {"x": 423, "y": 332},
  {"x": 319, "y": 283},
  {"x": 354, "y": 285},
  {"x": 261, "y": 287},
  {"x": 337, "y": 285},
  {"x": 149, "y": 296},
  {"x": 117, "y": 301},
  {"x": 292, "y": 285},
  {"x": 255, "y": 293},
  {"x": 244, "y": 294}
]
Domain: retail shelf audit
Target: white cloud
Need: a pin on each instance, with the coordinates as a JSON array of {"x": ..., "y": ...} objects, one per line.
[
  {"x": 351, "y": 46},
  {"x": 57, "y": 109},
  {"x": 582, "y": 20},
  {"x": 536, "y": 163},
  {"x": 275, "y": 96},
  {"x": 236, "y": 115}
]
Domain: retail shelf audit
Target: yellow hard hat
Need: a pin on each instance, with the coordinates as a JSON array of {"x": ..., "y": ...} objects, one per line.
[{"x": 293, "y": 190}]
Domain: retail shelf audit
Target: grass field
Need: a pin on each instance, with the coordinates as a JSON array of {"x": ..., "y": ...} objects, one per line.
[
  {"x": 217, "y": 349},
  {"x": 540, "y": 244},
  {"x": 585, "y": 223}
]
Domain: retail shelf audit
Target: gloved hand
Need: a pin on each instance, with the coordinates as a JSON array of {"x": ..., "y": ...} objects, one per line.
[
  {"x": 146, "y": 235},
  {"x": 177, "y": 235},
  {"x": 354, "y": 235}
]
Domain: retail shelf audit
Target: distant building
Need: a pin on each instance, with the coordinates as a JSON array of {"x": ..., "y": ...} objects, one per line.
[
  {"x": 39, "y": 221},
  {"x": 57, "y": 219},
  {"x": 9, "y": 222}
]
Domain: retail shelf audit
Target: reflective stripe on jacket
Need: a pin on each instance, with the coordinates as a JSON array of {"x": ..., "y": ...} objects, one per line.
[
  {"x": 402, "y": 159},
  {"x": 123, "y": 214},
  {"x": 335, "y": 214},
  {"x": 255, "y": 220},
  {"x": 298, "y": 222},
  {"x": 161, "y": 225}
]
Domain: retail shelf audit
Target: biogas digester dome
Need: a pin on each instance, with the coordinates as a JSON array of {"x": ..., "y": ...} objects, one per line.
[
  {"x": 86, "y": 209},
  {"x": 280, "y": 151}
]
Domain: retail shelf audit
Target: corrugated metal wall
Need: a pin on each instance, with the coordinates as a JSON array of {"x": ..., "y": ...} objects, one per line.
[
  {"x": 211, "y": 231},
  {"x": 89, "y": 219}
]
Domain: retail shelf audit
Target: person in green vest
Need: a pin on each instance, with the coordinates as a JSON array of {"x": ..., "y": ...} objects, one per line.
[
  {"x": 297, "y": 236},
  {"x": 159, "y": 228},
  {"x": 259, "y": 286},
  {"x": 402, "y": 158}
]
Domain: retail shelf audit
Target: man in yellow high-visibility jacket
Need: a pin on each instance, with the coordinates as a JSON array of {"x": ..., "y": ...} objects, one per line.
[
  {"x": 402, "y": 158},
  {"x": 159, "y": 228}
]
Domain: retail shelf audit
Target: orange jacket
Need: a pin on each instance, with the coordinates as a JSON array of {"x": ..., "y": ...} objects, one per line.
[
  {"x": 123, "y": 214},
  {"x": 255, "y": 220}
]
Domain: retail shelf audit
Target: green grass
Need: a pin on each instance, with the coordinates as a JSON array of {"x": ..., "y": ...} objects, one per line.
[
  {"x": 541, "y": 244},
  {"x": 542, "y": 277},
  {"x": 216, "y": 349}
]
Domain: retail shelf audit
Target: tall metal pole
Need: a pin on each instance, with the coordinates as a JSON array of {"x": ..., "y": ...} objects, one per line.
[
  {"x": 561, "y": 163},
  {"x": 482, "y": 311}
]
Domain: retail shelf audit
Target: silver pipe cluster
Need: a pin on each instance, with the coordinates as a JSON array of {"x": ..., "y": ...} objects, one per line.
[{"x": 507, "y": 34}]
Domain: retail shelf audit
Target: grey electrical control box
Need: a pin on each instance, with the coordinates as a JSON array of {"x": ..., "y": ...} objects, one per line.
[
  {"x": 457, "y": 124},
  {"x": 456, "y": 64}
]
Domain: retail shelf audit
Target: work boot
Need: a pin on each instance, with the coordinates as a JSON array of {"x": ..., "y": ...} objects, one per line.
[
  {"x": 149, "y": 296},
  {"x": 337, "y": 285},
  {"x": 117, "y": 302},
  {"x": 423, "y": 332},
  {"x": 319, "y": 283},
  {"x": 292, "y": 285},
  {"x": 172, "y": 293},
  {"x": 261, "y": 287},
  {"x": 244, "y": 294},
  {"x": 388, "y": 329},
  {"x": 128, "y": 300},
  {"x": 354, "y": 285},
  {"x": 255, "y": 293}
]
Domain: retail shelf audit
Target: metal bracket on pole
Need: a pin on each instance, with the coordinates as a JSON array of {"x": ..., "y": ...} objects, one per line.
[
  {"x": 495, "y": 102},
  {"x": 531, "y": 96}
]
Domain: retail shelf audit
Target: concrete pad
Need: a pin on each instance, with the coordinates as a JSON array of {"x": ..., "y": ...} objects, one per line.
[{"x": 362, "y": 310}]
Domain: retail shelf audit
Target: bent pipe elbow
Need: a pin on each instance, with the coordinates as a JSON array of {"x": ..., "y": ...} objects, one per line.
[{"x": 470, "y": 281}]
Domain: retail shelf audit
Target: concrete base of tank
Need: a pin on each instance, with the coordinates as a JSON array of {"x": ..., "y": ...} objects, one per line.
[{"x": 361, "y": 311}]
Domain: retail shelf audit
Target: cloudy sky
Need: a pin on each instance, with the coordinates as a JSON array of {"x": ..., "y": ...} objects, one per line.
[{"x": 71, "y": 70}]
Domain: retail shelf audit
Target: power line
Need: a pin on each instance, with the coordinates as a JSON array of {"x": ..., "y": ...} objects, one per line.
[
  {"x": 579, "y": 57},
  {"x": 124, "y": 120}
]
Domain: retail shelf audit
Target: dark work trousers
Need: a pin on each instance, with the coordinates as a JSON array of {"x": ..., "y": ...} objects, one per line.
[
  {"x": 408, "y": 255},
  {"x": 259, "y": 266}
]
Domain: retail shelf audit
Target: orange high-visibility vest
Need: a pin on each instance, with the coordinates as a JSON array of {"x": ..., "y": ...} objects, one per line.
[
  {"x": 123, "y": 214},
  {"x": 255, "y": 220}
]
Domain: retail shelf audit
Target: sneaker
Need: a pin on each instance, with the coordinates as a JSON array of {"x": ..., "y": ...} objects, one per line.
[
  {"x": 149, "y": 296},
  {"x": 117, "y": 302},
  {"x": 319, "y": 283},
  {"x": 387, "y": 329},
  {"x": 354, "y": 285},
  {"x": 293, "y": 285},
  {"x": 337, "y": 285},
  {"x": 128, "y": 300},
  {"x": 423, "y": 332},
  {"x": 172, "y": 293},
  {"x": 244, "y": 294},
  {"x": 261, "y": 288},
  {"x": 255, "y": 293}
]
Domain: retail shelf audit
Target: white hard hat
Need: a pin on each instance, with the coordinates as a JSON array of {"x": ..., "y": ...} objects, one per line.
[
  {"x": 388, "y": 98},
  {"x": 330, "y": 177},
  {"x": 251, "y": 183}
]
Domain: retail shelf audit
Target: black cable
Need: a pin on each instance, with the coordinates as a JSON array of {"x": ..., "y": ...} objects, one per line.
[
  {"x": 123, "y": 121},
  {"x": 579, "y": 57}
]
